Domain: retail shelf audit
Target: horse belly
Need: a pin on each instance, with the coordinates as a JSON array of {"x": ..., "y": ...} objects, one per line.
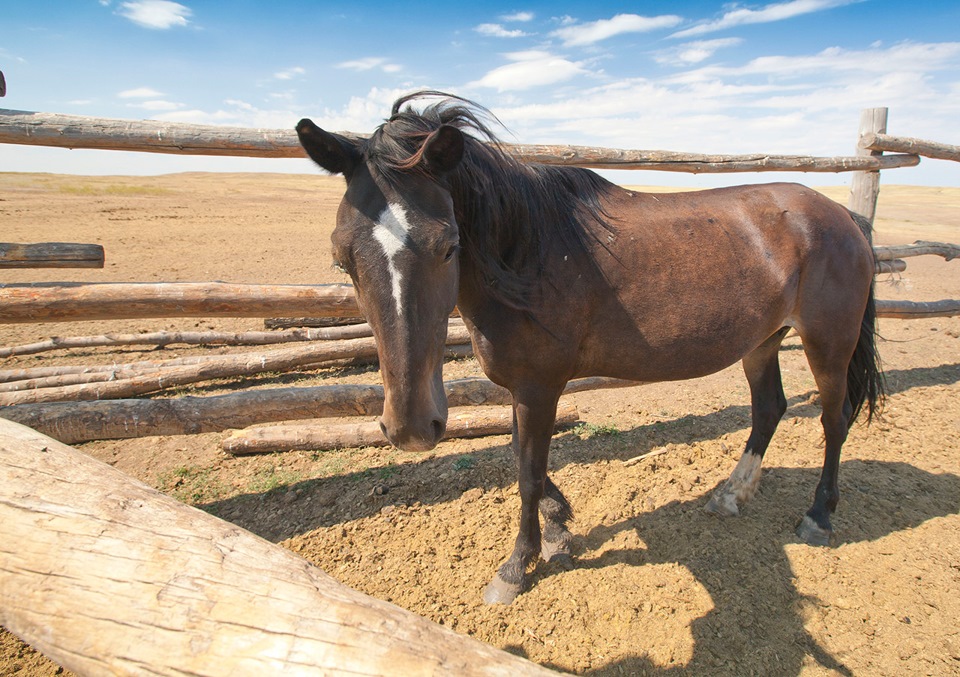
[{"x": 686, "y": 323}]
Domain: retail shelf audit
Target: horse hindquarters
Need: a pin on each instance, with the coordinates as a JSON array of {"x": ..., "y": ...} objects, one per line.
[{"x": 845, "y": 386}]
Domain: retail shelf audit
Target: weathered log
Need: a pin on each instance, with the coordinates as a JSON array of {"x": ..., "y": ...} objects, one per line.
[
  {"x": 77, "y": 131},
  {"x": 904, "y": 144},
  {"x": 37, "y": 377},
  {"x": 75, "y": 422},
  {"x": 291, "y": 322},
  {"x": 892, "y": 266},
  {"x": 162, "y": 339},
  {"x": 324, "y": 436},
  {"x": 916, "y": 310},
  {"x": 224, "y": 366},
  {"x": 699, "y": 163},
  {"x": 865, "y": 185},
  {"x": 50, "y": 255},
  {"x": 62, "y": 302},
  {"x": 55, "y": 381},
  {"x": 313, "y": 322},
  {"x": 105, "y": 575},
  {"x": 918, "y": 248},
  {"x": 72, "y": 131},
  {"x": 114, "y": 370}
]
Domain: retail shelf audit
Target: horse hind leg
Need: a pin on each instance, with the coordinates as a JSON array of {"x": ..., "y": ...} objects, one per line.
[
  {"x": 829, "y": 367},
  {"x": 768, "y": 404}
]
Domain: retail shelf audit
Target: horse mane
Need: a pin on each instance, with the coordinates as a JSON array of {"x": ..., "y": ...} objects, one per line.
[{"x": 507, "y": 210}]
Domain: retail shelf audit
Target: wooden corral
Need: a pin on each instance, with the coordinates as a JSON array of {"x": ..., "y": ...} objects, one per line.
[{"x": 148, "y": 583}]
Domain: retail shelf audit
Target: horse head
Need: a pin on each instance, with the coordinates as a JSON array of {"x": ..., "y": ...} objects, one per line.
[{"x": 397, "y": 237}]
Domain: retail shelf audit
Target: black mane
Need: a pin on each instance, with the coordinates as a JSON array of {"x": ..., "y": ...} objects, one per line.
[{"x": 506, "y": 210}]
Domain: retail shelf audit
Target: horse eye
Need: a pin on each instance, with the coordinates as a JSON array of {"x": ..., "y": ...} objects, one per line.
[{"x": 451, "y": 252}]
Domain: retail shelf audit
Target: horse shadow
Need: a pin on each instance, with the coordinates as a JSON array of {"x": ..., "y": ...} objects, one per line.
[
  {"x": 722, "y": 555},
  {"x": 756, "y": 624}
]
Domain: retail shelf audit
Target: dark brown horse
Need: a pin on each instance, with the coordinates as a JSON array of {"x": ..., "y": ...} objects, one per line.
[{"x": 560, "y": 274}]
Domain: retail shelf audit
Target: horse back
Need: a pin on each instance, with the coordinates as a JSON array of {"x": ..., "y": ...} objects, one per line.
[{"x": 688, "y": 283}]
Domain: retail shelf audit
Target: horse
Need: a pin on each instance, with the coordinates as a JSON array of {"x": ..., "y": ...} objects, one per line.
[{"x": 559, "y": 274}]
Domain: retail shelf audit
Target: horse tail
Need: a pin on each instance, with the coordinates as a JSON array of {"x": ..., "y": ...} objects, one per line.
[{"x": 865, "y": 382}]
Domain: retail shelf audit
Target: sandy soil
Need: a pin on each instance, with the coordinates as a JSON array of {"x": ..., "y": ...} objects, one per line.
[{"x": 660, "y": 587}]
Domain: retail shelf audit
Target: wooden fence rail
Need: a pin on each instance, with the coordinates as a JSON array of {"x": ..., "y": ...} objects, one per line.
[
  {"x": 62, "y": 302},
  {"x": 905, "y": 144},
  {"x": 74, "y": 131}
]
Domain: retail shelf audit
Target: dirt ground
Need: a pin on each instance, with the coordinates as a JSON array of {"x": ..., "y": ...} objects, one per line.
[{"x": 660, "y": 587}]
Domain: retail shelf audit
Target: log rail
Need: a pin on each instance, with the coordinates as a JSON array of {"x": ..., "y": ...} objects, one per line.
[{"x": 150, "y": 136}]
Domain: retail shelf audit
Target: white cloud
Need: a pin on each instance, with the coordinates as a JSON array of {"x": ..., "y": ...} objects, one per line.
[
  {"x": 694, "y": 52},
  {"x": 595, "y": 31},
  {"x": 290, "y": 73},
  {"x": 139, "y": 93},
  {"x": 498, "y": 31},
  {"x": 529, "y": 69},
  {"x": 808, "y": 104},
  {"x": 902, "y": 57},
  {"x": 775, "y": 12},
  {"x": 520, "y": 17},
  {"x": 156, "y": 105},
  {"x": 157, "y": 14},
  {"x": 362, "y": 113},
  {"x": 370, "y": 63}
]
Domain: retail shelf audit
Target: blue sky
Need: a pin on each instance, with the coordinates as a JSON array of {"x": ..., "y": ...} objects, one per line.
[{"x": 705, "y": 76}]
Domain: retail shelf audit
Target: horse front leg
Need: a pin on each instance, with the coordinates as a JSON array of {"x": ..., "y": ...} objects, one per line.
[{"x": 534, "y": 417}]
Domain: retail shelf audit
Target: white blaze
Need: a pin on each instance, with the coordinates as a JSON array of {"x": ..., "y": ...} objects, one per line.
[{"x": 391, "y": 232}]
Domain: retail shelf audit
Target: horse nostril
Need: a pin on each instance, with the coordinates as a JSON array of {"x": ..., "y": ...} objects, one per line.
[
  {"x": 439, "y": 427},
  {"x": 383, "y": 428}
]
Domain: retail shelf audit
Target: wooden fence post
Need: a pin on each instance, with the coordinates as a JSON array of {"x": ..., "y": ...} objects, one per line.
[{"x": 865, "y": 187}]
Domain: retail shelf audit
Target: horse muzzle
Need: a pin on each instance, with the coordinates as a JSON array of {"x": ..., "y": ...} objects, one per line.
[{"x": 406, "y": 434}]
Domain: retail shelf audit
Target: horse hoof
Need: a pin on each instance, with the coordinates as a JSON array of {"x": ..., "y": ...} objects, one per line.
[
  {"x": 561, "y": 559},
  {"x": 812, "y": 533},
  {"x": 498, "y": 591},
  {"x": 557, "y": 553},
  {"x": 723, "y": 504}
]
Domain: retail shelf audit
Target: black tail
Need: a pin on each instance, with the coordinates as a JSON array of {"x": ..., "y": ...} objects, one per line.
[{"x": 865, "y": 382}]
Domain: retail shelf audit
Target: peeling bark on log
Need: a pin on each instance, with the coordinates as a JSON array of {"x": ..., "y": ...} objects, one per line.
[
  {"x": 865, "y": 185},
  {"x": 311, "y": 322},
  {"x": 50, "y": 255},
  {"x": 918, "y": 248},
  {"x": 905, "y": 144},
  {"x": 145, "y": 366},
  {"x": 325, "y": 436},
  {"x": 892, "y": 266},
  {"x": 162, "y": 339},
  {"x": 226, "y": 366},
  {"x": 105, "y": 575},
  {"x": 62, "y": 302},
  {"x": 916, "y": 310},
  {"x": 76, "y": 422},
  {"x": 72, "y": 131},
  {"x": 698, "y": 163},
  {"x": 56, "y": 381}
]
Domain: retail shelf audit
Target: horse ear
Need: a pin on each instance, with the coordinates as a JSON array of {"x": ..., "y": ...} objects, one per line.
[
  {"x": 335, "y": 153},
  {"x": 443, "y": 149}
]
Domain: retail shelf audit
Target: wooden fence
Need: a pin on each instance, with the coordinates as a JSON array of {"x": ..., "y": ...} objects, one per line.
[{"x": 162, "y": 617}]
